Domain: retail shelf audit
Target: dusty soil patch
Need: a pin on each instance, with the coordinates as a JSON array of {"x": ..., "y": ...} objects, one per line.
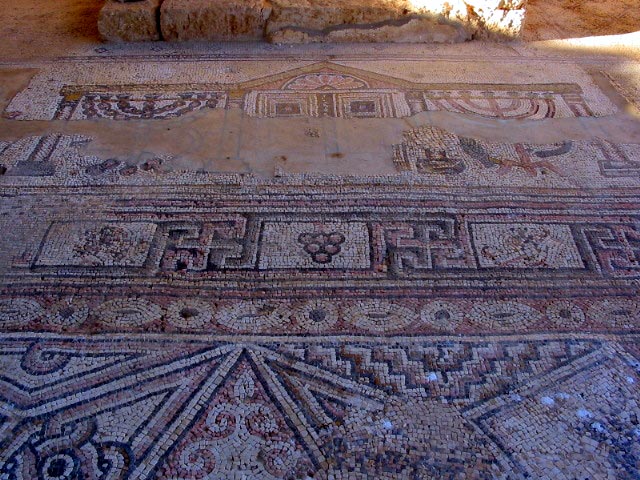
[
  {"x": 550, "y": 19},
  {"x": 35, "y": 28}
]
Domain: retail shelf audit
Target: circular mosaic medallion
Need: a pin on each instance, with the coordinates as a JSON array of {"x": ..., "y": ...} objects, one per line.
[
  {"x": 18, "y": 312},
  {"x": 622, "y": 314},
  {"x": 315, "y": 316},
  {"x": 189, "y": 314},
  {"x": 67, "y": 313},
  {"x": 443, "y": 316},
  {"x": 128, "y": 312},
  {"x": 252, "y": 316},
  {"x": 378, "y": 316},
  {"x": 565, "y": 314},
  {"x": 503, "y": 315}
]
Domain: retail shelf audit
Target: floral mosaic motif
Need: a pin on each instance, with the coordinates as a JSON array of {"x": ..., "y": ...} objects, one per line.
[
  {"x": 69, "y": 451},
  {"x": 67, "y": 312},
  {"x": 525, "y": 246},
  {"x": 103, "y": 245},
  {"x": 443, "y": 316},
  {"x": 189, "y": 314},
  {"x": 241, "y": 422},
  {"x": 566, "y": 314},
  {"x": 336, "y": 245},
  {"x": 97, "y": 244},
  {"x": 316, "y": 316}
]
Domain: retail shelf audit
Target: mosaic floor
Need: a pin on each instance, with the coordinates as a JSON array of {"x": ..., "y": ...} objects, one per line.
[{"x": 329, "y": 262}]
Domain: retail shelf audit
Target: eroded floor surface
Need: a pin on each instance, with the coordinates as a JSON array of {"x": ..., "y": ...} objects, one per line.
[{"x": 339, "y": 262}]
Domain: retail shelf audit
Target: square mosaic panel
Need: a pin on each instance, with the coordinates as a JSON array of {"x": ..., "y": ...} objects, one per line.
[
  {"x": 525, "y": 245},
  {"x": 100, "y": 244},
  {"x": 308, "y": 245}
]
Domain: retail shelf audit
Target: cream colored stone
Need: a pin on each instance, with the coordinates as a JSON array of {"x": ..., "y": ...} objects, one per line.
[
  {"x": 414, "y": 21},
  {"x": 214, "y": 19},
  {"x": 130, "y": 22},
  {"x": 415, "y": 30},
  {"x": 322, "y": 14},
  {"x": 302, "y": 21}
]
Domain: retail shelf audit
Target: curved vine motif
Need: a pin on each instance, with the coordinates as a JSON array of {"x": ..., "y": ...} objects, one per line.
[
  {"x": 240, "y": 429},
  {"x": 69, "y": 451}
]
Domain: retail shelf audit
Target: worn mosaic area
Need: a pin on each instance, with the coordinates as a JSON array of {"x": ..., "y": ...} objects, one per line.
[
  {"x": 472, "y": 314},
  {"x": 431, "y": 151},
  {"x": 427, "y": 156}
]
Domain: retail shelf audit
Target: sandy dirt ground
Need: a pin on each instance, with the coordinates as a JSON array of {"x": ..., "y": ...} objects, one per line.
[
  {"x": 554, "y": 19},
  {"x": 36, "y": 28}
]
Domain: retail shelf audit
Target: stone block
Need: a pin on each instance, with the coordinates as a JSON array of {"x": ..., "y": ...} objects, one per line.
[
  {"x": 214, "y": 19},
  {"x": 413, "y": 30},
  {"x": 318, "y": 15},
  {"x": 415, "y": 21},
  {"x": 130, "y": 21},
  {"x": 310, "y": 21}
]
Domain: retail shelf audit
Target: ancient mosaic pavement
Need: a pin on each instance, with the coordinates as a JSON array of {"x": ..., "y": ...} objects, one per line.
[
  {"x": 474, "y": 313},
  {"x": 313, "y": 89},
  {"x": 318, "y": 90}
]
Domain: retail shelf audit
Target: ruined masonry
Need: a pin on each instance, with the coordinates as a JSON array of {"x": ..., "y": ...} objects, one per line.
[{"x": 312, "y": 21}]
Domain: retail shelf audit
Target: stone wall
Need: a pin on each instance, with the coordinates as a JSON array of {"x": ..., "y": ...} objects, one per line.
[{"x": 310, "y": 21}]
